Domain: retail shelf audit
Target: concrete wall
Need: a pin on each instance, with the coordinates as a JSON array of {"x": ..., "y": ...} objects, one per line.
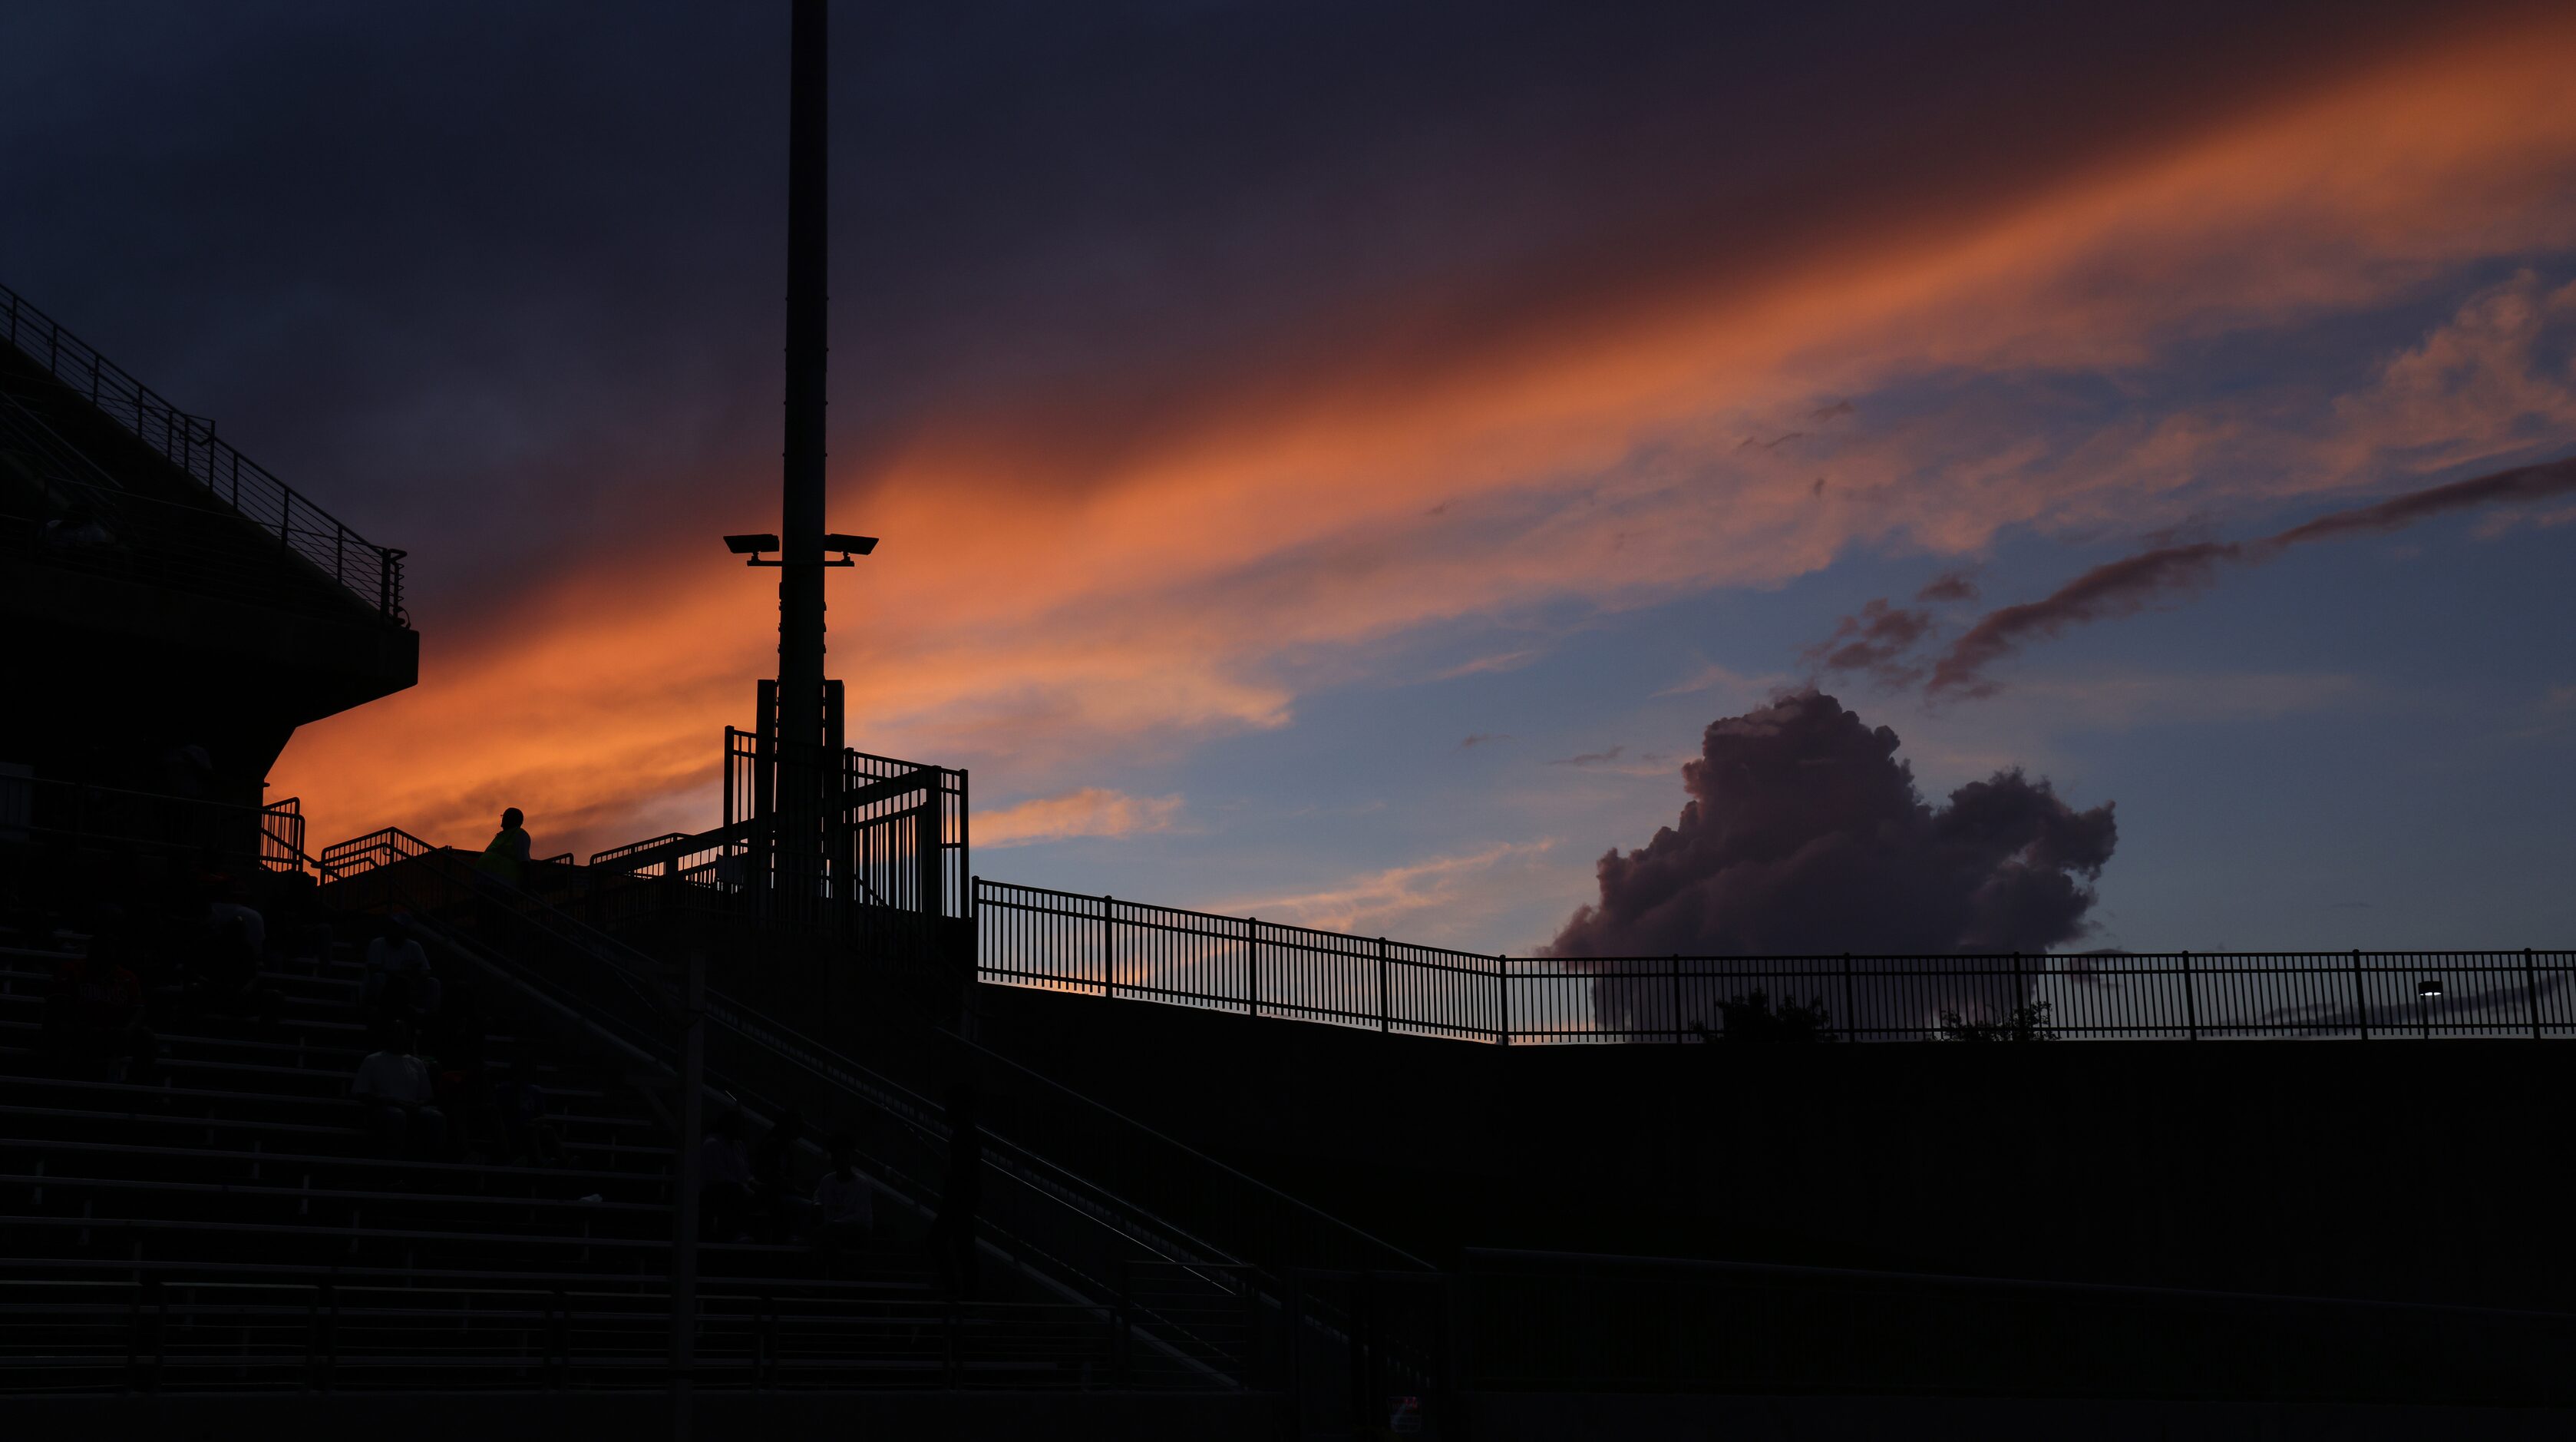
[{"x": 2397, "y": 1169}]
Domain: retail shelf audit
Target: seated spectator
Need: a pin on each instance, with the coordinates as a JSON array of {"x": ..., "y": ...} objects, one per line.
[
  {"x": 844, "y": 1210},
  {"x": 724, "y": 1183},
  {"x": 399, "y": 981},
  {"x": 228, "y": 906},
  {"x": 522, "y": 1108},
  {"x": 94, "y": 1013},
  {"x": 777, "y": 1174},
  {"x": 220, "y": 973},
  {"x": 393, "y": 1090}
]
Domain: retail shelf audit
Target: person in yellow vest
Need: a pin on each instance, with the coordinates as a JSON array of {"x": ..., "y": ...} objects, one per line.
[{"x": 506, "y": 857}]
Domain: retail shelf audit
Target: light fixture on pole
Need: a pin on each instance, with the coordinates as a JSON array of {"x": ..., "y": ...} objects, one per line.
[{"x": 756, "y": 546}]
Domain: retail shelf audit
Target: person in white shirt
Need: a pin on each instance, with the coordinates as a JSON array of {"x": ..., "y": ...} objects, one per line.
[
  {"x": 398, "y": 974},
  {"x": 844, "y": 1212},
  {"x": 393, "y": 1091}
]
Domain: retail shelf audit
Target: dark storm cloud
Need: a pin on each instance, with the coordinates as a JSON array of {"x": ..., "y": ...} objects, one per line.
[
  {"x": 2120, "y": 588},
  {"x": 1875, "y": 641},
  {"x": 1804, "y": 835},
  {"x": 1591, "y": 758},
  {"x": 500, "y": 282},
  {"x": 1881, "y": 640},
  {"x": 2132, "y": 583}
]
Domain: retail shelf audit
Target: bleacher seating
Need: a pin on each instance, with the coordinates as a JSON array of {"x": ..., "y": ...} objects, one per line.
[{"x": 214, "y": 1218}]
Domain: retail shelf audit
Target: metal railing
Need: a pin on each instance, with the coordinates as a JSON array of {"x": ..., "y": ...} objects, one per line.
[
  {"x": 1060, "y": 940},
  {"x": 1075, "y": 1228},
  {"x": 269, "y": 837},
  {"x": 1099, "y": 945},
  {"x": 369, "y": 572}
]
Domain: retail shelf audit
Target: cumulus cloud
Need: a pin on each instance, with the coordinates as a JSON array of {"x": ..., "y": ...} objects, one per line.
[
  {"x": 1091, "y": 811},
  {"x": 1805, "y": 836}
]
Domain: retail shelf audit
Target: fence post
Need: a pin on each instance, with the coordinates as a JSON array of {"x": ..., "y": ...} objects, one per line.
[
  {"x": 1851, "y": 1011},
  {"x": 2360, "y": 997},
  {"x": 1108, "y": 950},
  {"x": 1503, "y": 998},
  {"x": 1381, "y": 983},
  {"x": 1676, "y": 980},
  {"x": 2531, "y": 989},
  {"x": 1252, "y": 965},
  {"x": 2190, "y": 1004}
]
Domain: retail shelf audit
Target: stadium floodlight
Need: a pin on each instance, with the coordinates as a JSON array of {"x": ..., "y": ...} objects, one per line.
[{"x": 754, "y": 546}]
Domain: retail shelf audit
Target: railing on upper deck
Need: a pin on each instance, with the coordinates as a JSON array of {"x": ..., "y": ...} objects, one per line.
[
  {"x": 1056, "y": 940},
  {"x": 270, "y": 837},
  {"x": 369, "y": 572}
]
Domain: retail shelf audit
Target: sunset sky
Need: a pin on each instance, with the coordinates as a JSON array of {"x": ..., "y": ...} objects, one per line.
[{"x": 1333, "y": 460}]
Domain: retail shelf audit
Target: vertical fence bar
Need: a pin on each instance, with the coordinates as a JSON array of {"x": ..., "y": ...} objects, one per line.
[
  {"x": 1108, "y": 949},
  {"x": 1252, "y": 965},
  {"x": 1381, "y": 984},
  {"x": 2360, "y": 997},
  {"x": 1676, "y": 980},
  {"x": 2190, "y": 1004},
  {"x": 1503, "y": 998},
  {"x": 2531, "y": 990},
  {"x": 1851, "y": 1010}
]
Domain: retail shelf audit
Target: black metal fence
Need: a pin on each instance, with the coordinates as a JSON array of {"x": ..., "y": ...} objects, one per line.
[
  {"x": 371, "y": 573},
  {"x": 1099, "y": 945}
]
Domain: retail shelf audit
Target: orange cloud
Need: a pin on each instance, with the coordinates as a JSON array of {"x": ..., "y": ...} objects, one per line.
[
  {"x": 1091, "y": 811},
  {"x": 1039, "y": 600}
]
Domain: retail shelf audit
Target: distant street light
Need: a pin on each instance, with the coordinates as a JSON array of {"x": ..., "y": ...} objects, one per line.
[{"x": 2427, "y": 991}]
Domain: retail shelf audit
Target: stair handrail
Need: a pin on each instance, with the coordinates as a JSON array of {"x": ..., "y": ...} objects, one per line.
[{"x": 648, "y": 980}]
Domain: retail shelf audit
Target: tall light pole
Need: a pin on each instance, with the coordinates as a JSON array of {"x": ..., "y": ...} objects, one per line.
[
  {"x": 800, "y": 578},
  {"x": 794, "y": 771}
]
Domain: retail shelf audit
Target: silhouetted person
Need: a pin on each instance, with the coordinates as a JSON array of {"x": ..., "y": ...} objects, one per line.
[
  {"x": 724, "y": 1182},
  {"x": 76, "y": 530},
  {"x": 844, "y": 1210},
  {"x": 961, "y": 1196},
  {"x": 398, "y": 979},
  {"x": 777, "y": 1184},
  {"x": 219, "y": 971},
  {"x": 522, "y": 1108},
  {"x": 395, "y": 1096},
  {"x": 507, "y": 856}
]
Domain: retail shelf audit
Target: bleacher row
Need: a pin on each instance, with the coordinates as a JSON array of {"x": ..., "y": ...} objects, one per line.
[{"x": 214, "y": 1219}]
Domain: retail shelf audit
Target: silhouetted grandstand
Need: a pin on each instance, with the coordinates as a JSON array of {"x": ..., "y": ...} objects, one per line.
[{"x": 796, "y": 1124}]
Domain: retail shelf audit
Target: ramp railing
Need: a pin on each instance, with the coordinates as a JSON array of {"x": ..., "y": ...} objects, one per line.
[
  {"x": 1106, "y": 946},
  {"x": 371, "y": 573}
]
